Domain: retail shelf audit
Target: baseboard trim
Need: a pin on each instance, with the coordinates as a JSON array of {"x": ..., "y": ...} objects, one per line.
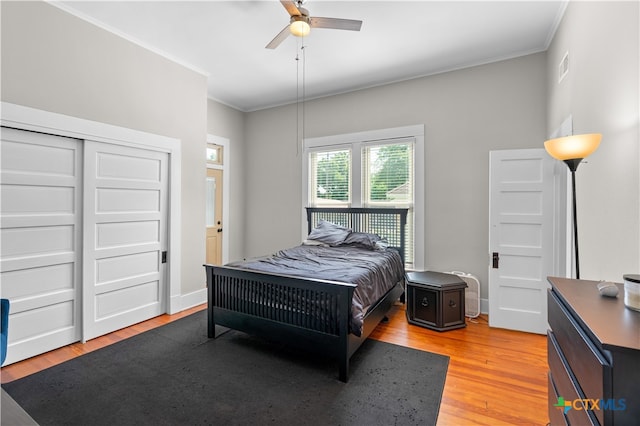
[
  {"x": 192, "y": 299},
  {"x": 484, "y": 306}
]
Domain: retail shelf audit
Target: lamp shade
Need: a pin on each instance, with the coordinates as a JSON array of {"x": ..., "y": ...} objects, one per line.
[
  {"x": 573, "y": 147},
  {"x": 299, "y": 26}
]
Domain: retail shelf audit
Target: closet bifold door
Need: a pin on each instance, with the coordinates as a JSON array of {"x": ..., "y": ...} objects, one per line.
[
  {"x": 124, "y": 238},
  {"x": 40, "y": 216}
]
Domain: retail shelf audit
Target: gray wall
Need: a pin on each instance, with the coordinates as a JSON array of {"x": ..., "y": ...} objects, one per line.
[
  {"x": 466, "y": 114},
  {"x": 56, "y": 62},
  {"x": 601, "y": 93}
]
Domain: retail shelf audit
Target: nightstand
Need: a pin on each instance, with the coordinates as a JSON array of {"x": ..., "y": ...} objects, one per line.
[{"x": 435, "y": 300}]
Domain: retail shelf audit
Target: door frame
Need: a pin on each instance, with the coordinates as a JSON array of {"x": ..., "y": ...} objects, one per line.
[
  {"x": 226, "y": 160},
  {"x": 26, "y": 118}
]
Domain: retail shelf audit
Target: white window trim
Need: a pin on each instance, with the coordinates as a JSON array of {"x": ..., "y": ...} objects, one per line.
[
  {"x": 348, "y": 139},
  {"x": 25, "y": 118}
]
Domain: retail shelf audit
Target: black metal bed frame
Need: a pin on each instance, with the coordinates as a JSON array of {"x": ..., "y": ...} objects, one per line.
[{"x": 305, "y": 312}]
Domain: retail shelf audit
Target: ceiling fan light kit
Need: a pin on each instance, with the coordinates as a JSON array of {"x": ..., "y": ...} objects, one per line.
[
  {"x": 301, "y": 23},
  {"x": 299, "y": 26}
]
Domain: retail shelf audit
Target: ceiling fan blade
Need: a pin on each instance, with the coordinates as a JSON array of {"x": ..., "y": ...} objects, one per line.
[
  {"x": 335, "y": 23},
  {"x": 291, "y": 7},
  {"x": 279, "y": 38}
]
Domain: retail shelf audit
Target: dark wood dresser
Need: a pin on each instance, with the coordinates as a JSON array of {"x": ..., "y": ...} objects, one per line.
[{"x": 593, "y": 354}]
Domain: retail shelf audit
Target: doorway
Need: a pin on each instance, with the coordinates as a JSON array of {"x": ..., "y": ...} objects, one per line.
[
  {"x": 214, "y": 216},
  {"x": 218, "y": 190}
]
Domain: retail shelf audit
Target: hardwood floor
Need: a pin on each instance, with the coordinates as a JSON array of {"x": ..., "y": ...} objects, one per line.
[{"x": 495, "y": 376}]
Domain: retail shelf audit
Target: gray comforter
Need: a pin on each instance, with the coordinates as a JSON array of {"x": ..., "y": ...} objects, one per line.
[{"x": 374, "y": 271}]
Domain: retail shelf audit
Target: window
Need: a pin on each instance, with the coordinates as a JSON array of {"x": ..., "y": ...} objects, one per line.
[
  {"x": 330, "y": 177},
  {"x": 387, "y": 174},
  {"x": 214, "y": 154},
  {"x": 366, "y": 170}
]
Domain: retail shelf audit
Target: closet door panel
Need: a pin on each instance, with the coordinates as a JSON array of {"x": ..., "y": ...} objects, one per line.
[
  {"x": 124, "y": 236},
  {"x": 40, "y": 216}
]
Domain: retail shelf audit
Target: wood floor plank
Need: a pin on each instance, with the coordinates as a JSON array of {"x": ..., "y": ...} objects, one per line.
[{"x": 495, "y": 376}]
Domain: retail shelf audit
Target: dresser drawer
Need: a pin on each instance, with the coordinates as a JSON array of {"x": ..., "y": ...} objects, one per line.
[
  {"x": 556, "y": 416},
  {"x": 565, "y": 387},
  {"x": 584, "y": 360}
]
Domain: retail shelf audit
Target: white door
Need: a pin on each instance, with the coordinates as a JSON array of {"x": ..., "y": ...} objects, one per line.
[
  {"x": 521, "y": 248},
  {"x": 124, "y": 240},
  {"x": 40, "y": 231}
]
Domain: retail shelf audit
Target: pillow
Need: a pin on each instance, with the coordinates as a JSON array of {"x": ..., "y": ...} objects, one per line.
[
  {"x": 364, "y": 240},
  {"x": 329, "y": 233},
  {"x": 383, "y": 244},
  {"x": 309, "y": 242}
]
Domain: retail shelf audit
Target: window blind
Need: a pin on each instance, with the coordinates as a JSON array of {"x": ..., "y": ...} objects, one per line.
[{"x": 330, "y": 177}]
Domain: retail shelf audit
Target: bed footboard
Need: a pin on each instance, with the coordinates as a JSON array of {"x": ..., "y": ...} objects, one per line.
[{"x": 304, "y": 312}]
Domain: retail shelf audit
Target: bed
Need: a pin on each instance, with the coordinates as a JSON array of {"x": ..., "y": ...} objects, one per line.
[{"x": 307, "y": 309}]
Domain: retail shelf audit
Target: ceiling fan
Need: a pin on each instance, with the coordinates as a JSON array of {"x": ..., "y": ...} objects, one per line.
[{"x": 301, "y": 23}]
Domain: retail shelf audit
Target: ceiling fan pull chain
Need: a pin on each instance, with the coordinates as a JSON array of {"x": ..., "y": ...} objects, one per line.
[
  {"x": 300, "y": 47},
  {"x": 297, "y": 101},
  {"x": 304, "y": 90}
]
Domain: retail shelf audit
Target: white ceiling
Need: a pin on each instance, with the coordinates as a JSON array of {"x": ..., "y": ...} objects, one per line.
[{"x": 399, "y": 40}]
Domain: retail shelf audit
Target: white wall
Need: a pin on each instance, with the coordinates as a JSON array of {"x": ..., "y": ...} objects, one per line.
[
  {"x": 601, "y": 92},
  {"x": 466, "y": 114},
  {"x": 56, "y": 62}
]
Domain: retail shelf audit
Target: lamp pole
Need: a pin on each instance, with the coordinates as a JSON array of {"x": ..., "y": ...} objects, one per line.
[
  {"x": 573, "y": 166},
  {"x": 572, "y": 150}
]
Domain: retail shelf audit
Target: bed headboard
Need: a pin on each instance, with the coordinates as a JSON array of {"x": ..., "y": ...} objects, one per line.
[{"x": 388, "y": 223}]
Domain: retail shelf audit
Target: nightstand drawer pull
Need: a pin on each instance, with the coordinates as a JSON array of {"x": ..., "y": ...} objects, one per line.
[
  {"x": 452, "y": 304},
  {"x": 425, "y": 302}
]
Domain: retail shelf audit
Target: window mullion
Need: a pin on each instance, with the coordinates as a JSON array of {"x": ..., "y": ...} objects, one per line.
[{"x": 356, "y": 176}]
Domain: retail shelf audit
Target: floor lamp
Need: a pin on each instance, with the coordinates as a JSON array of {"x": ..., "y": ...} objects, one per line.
[{"x": 572, "y": 150}]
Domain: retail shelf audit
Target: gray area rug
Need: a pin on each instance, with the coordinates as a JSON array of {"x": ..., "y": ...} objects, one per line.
[{"x": 175, "y": 375}]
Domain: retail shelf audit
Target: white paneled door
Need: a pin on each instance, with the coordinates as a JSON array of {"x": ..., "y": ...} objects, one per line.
[
  {"x": 124, "y": 238},
  {"x": 41, "y": 236},
  {"x": 84, "y": 238},
  {"x": 521, "y": 231}
]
